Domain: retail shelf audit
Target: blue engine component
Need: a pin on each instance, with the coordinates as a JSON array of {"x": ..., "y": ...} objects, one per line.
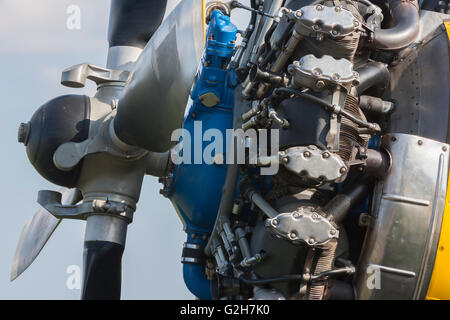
[{"x": 196, "y": 186}]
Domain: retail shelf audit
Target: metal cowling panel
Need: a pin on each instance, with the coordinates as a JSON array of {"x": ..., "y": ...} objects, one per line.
[{"x": 402, "y": 239}]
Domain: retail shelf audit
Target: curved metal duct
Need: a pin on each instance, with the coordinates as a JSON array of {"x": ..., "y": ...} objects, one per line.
[
  {"x": 153, "y": 103},
  {"x": 405, "y": 14}
]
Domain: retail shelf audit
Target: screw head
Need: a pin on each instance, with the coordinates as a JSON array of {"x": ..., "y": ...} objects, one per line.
[
  {"x": 319, "y": 7},
  {"x": 325, "y": 155},
  {"x": 343, "y": 170},
  {"x": 311, "y": 240},
  {"x": 298, "y": 13},
  {"x": 275, "y": 222},
  {"x": 307, "y": 154},
  {"x": 420, "y": 142},
  {"x": 320, "y": 84},
  {"x": 292, "y": 235},
  {"x": 332, "y": 232},
  {"x": 285, "y": 159}
]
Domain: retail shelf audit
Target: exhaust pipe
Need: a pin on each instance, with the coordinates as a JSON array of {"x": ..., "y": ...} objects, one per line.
[{"x": 405, "y": 14}]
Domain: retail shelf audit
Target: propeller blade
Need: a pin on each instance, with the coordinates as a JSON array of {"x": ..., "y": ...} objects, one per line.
[
  {"x": 36, "y": 233},
  {"x": 153, "y": 103}
]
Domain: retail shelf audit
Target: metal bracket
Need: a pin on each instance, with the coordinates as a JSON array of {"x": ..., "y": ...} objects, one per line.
[
  {"x": 69, "y": 154},
  {"x": 75, "y": 76},
  {"x": 51, "y": 201}
]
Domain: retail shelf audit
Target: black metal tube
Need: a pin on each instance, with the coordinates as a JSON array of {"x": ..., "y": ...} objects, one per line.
[
  {"x": 338, "y": 207},
  {"x": 102, "y": 271},
  {"x": 378, "y": 163},
  {"x": 133, "y": 22},
  {"x": 375, "y": 105},
  {"x": 258, "y": 75},
  {"x": 405, "y": 14},
  {"x": 372, "y": 74}
]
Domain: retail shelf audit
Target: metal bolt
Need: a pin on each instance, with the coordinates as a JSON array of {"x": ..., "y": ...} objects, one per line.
[
  {"x": 319, "y": 8},
  {"x": 316, "y": 27},
  {"x": 343, "y": 170},
  {"x": 298, "y": 13},
  {"x": 444, "y": 148},
  {"x": 23, "y": 133},
  {"x": 315, "y": 216},
  {"x": 356, "y": 23},
  {"x": 311, "y": 240},
  {"x": 320, "y": 84},
  {"x": 337, "y": 9},
  {"x": 292, "y": 235},
  {"x": 285, "y": 159},
  {"x": 307, "y": 154},
  {"x": 420, "y": 142},
  {"x": 394, "y": 138},
  {"x": 335, "y": 76},
  {"x": 296, "y": 215},
  {"x": 332, "y": 232},
  {"x": 325, "y": 155},
  {"x": 334, "y": 32},
  {"x": 275, "y": 222}
]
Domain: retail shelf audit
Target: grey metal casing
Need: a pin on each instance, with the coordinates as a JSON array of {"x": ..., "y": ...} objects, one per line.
[{"x": 407, "y": 210}]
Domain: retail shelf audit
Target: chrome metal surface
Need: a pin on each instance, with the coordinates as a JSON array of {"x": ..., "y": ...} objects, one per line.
[
  {"x": 36, "y": 233},
  {"x": 123, "y": 57},
  {"x": 319, "y": 73},
  {"x": 406, "y": 214},
  {"x": 163, "y": 78},
  {"x": 75, "y": 77},
  {"x": 304, "y": 225},
  {"x": 313, "y": 163},
  {"x": 320, "y": 19},
  {"x": 106, "y": 228}
]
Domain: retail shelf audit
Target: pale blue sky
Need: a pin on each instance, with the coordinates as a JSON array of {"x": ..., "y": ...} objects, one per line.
[{"x": 35, "y": 46}]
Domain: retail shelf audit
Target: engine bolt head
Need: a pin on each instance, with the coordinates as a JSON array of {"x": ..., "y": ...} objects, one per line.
[
  {"x": 337, "y": 8},
  {"x": 332, "y": 232},
  {"x": 315, "y": 216},
  {"x": 319, "y": 7},
  {"x": 296, "y": 215},
  {"x": 285, "y": 159},
  {"x": 311, "y": 240},
  {"x": 307, "y": 154},
  {"x": 420, "y": 142},
  {"x": 444, "y": 148},
  {"x": 343, "y": 170},
  {"x": 298, "y": 13},
  {"x": 292, "y": 235},
  {"x": 325, "y": 155},
  {"x": 320, "y": 84},
  {"x": 275, "y": 222}
]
